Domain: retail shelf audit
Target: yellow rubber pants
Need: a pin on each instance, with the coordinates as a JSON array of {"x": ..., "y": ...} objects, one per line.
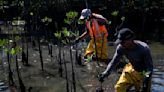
[
  {"x": 102, "y": 48},
  {"x": 129, "y": 78}
]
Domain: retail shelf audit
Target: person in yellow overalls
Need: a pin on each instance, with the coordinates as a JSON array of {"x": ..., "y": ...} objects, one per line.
[
  {"x": 95, "y": 24},
  {"x": 139, "y": 68}
]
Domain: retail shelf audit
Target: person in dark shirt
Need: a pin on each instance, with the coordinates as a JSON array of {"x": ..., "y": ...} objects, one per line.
[{"x": 137, "y": 72}]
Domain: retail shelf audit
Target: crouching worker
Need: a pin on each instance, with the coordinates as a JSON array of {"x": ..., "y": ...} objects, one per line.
[
  {"x": 138, "y": 71},
  {"x": 95, "y": 25}
]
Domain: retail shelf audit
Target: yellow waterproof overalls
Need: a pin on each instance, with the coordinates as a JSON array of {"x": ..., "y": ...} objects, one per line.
[
  {"x": 129, "y": 78},
  {"x": 100, "y": 33}
]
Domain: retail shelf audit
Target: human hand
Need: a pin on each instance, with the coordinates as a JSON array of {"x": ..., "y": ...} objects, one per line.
[
  {"x": 77, "y": 40},
  {"x": 146, "y": 81},
  {"x": 102, "y": 76}
]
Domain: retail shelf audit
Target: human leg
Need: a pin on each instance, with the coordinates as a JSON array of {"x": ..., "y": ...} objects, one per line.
[{"x": 129, "y": 78}]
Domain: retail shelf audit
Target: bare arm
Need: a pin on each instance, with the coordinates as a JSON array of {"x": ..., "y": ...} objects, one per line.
[{"x": 83, "y": 35}]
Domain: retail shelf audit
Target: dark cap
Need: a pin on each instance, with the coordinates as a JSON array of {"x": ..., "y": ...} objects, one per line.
[{"x": 124, "y": 34}]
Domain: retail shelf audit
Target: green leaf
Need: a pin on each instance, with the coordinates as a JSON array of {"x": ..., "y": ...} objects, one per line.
[
  {"x": 115, "y": 13},
  {"x": 13, "y": 52},
  {"x": 66, "y": 32},
  {"x": 80, "y": 22},
  {"x": 57, "y": 35},
  {"x": 17, "y": 38},
  {"x": 3, "y": 42},
  {"x": 123, "y": 18},
  {"x": 64, "y": 42},
  {"x": 72, "y": 14}
]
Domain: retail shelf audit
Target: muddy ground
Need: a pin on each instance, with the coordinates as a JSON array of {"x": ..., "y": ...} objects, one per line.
[{"x": 36, "y": 80}]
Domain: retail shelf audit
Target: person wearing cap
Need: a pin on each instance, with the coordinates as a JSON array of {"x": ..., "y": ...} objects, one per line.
[
  {"x": 95, "y": 24},
  {"x": 138, "y": 70}
]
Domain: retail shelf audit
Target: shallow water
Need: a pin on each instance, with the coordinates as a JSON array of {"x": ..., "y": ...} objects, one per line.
[
  {"x": 86, "y": 81},
  {"x": 158, "y": 80}
]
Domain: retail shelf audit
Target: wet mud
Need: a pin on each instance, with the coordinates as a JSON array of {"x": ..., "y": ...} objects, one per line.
[{"x": 49, "y": 80}]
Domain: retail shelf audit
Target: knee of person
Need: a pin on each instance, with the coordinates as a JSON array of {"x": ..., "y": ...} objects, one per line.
[{"x": 117, "y": 87}]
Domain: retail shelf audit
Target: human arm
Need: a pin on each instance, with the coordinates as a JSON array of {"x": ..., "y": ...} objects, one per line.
[
  {"x": 101, "y": 20},
  {"x": 148, "y": 60},
  {"x": 148, "y": 72},
  {"x": 82, "y": 36},
  {"x": 118, "y": 54}
]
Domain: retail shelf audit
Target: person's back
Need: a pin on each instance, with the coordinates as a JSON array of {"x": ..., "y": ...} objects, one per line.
[{"x": 138, "y": 57}]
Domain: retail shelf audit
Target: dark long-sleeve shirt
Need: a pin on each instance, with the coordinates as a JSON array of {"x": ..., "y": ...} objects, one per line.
[{"x": 139, "y": 57}]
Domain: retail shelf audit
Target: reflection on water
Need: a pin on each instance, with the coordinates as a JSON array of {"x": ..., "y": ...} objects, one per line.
[
  {"x": 158, "y": 80},
  {"x": 86, "y": 76}
]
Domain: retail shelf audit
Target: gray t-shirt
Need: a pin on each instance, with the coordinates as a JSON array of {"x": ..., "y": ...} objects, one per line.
[{"x": 139, "y": 57}]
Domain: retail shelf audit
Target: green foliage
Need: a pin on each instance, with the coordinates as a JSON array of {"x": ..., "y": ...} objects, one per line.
[
  {"x": 15, "y": 50},
  {"x": 17, "y": 21},
  {"x": 31, "y": 13},
  {"x": 123, "y": 18},
  {"x": 80, "y": 22},
  {"x": 58, "y": 35},
  {"x": 3, "y": 42},
  {"x": 67, "y": 33},
  {"x": 46, "y": 20},
  {"x": 72, "y": 17},
  {"x": 115, "y": 13},
  {"x": 89, "y": 58},
  {"x": 71, "y": 14},
  {"x": 17, "y": 38}
]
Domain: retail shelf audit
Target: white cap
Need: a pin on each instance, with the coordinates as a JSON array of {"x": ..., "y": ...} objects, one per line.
[{"x": 85, "y": 13}]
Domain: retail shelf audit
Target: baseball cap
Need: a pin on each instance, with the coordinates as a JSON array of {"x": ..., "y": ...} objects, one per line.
[
  {"x": 85, "y": 13},
  {"x": 124, "y": 34}
]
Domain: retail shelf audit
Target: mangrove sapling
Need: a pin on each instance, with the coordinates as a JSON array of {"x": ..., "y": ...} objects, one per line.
[
  {"x": 24, "y": 58},
  {"x": 2, "y": 47},
  {"x": 67, "y": 41},
  {"x": 66, "y": 74},
  {"x": 5, "y": 43},
  {"x": 40, "y": 54},
  {"x": 58, "y": 36},
  {"x": 78, "y": 56},
  {"x": 10, "y": 75},
  {"x": 60, "y": 63},
  {"x": 73, "y": 72},
  {"x": 51, "y": 51},
  {"x": 68, "y": 35},
  {"x": 21, "y": 84},
  {"x": 15, "y": 50},
  {"x": 118, "y": 27},
  {"x": 27, "y": 46},
  {"x": 46, "y": 20},
  {"x": 72, "y": 21},
  {"x": 23, "y": 53}
]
